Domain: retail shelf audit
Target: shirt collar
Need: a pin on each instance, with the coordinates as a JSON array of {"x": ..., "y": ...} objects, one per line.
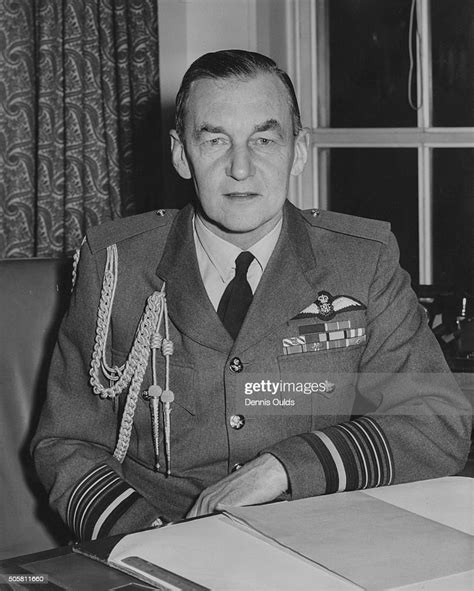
[{"x": 222, "y": 254}]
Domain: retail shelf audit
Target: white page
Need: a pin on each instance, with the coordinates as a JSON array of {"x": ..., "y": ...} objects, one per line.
[
  {"x": 369, "y": 541},
  {"x": 215, "y": 554},
  {"x": 449, "y": 500}
]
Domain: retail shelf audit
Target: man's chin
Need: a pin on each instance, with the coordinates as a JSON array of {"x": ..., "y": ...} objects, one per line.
[
  {"x": 242, "y": 229},
  {"x": 232, "y": 223},
  {"x": 236, "y": 229}
]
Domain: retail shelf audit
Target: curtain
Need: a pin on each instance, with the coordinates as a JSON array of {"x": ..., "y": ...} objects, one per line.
[{"x": 79, "y": 119}]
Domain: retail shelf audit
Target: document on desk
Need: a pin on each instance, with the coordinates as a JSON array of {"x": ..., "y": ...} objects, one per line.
[
  {"x": 369, "y": 540},
  {"x": 214, "y": 554}
]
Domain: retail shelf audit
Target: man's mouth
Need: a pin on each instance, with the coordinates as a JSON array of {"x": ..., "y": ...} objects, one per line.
[{"x": 241, "y": 194}]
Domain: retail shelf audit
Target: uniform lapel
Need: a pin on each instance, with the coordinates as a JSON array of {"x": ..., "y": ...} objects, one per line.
[
  {"x": 189, "y": 307},
  {"x": 287, "y": 285}
]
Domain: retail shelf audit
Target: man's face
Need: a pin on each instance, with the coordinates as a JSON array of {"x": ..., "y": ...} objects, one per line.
[{"x": 240, "y": 151}]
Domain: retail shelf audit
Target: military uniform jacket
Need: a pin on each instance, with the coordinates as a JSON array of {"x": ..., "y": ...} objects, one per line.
[{"x": 382, "y": 407}]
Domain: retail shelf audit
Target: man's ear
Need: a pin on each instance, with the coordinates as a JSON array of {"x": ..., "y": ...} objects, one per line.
[
  {"x": 301, "y": 151},
  {"x": 178, "y": 155}
]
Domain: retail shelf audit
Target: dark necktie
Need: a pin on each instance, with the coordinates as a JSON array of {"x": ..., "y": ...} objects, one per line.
[{"x": 237, "y": 296}]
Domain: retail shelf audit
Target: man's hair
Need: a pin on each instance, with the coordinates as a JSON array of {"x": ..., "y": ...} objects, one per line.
[{"x": 232, "y": 63}]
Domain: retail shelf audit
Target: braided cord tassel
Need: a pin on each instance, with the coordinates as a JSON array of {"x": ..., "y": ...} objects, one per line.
[
  {"x": 130, "y": 375},
  {"x": 154, "y": 393},
  {"x": 141, "y": 349},
  {"x": 167, "y": 395}
]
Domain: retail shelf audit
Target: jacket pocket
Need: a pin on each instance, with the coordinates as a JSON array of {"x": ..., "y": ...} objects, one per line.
[{"x": 324, "y": 383}]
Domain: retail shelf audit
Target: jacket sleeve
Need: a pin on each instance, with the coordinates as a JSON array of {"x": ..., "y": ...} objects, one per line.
[
  {"x": 419, "y": 423},
  {"x": 74, "y": 444}
]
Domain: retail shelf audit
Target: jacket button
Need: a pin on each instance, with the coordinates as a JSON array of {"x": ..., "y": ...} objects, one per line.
[
  {"x": 237, "y": 421},
  {"x": 236, "y": 467},
  {"x": 236, "y": 365}
]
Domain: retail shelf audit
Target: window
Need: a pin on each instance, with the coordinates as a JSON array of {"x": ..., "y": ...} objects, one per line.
[{"x": 389, "y": 87}]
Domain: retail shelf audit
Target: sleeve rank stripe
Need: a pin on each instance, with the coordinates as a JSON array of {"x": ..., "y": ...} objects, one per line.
[
  {"x": 370, "y": 463},
  {"x": 327, "y": 461},
  {"x": 88, "y": 496},
  {"x": 378, "y": 449},
  {"x": 120, "y": 491},
  {"x": 371, "y": 454},
  {"x": 382, "y": 445},
  {"x": 353, "y": 455},
  {"x": 341, "y": 472},
  {"x": 103, "y": 496},
  {"x": 369, "y": 447},
  {"x": 353, "y": 469},
  {"x": 77, "y": 495},
  {"x": 119, "y": 510},
  {"x": 99, "y": 496},
  {"x": 113, "y": 511}
]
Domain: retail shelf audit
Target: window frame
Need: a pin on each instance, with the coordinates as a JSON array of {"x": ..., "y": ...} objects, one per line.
[{"x": 308, "y": 52}]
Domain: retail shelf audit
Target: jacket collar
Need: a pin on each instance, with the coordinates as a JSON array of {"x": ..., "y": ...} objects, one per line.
[{"x": 286, "y": 287}]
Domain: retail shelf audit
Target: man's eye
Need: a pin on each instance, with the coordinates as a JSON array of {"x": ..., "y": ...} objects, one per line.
[
  {"x": 264, "y": 141},
  {"x": 216, "y": 141}
]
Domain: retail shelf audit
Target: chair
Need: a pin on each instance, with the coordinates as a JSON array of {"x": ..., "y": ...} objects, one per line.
[{"x": 33, "y": 296}]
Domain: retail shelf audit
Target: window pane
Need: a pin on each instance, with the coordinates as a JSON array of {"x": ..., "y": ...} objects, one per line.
[
  {"x": 369, "y": 63},
  {"x": 453, "y": 62},
  {"x": 453, "y": 218},
  {"x": 380, "y": 184}
]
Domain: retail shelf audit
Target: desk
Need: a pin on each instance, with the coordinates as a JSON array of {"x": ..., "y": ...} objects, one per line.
[
  {"x": 447, "y": 500},
  {"x": 65, "y": 570}
]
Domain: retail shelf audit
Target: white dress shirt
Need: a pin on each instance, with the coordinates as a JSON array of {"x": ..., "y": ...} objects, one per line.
[{"x": 216, "y": 259}]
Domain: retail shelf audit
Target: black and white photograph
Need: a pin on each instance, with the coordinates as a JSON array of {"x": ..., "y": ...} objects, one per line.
[{"x": 236, "y": 295}]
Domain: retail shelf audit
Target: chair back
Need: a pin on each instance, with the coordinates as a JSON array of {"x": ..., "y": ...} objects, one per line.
[{"x": 33, "y": 297}]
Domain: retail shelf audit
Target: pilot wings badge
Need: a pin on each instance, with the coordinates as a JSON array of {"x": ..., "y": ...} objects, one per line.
[{"x": 327, "y": 306}]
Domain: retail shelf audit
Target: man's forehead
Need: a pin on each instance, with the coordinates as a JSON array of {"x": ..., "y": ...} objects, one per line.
[{"x": 263, "y": 96}]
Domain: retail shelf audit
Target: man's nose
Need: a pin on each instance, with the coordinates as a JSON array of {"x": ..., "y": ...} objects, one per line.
[{"x": 240, "y": 165}]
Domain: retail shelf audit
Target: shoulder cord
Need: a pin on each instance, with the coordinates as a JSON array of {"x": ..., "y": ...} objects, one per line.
[{"x": 131, "y": 373}]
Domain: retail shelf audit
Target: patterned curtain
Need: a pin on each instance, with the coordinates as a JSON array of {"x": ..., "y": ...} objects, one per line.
[{"x": 79, "y": 119}]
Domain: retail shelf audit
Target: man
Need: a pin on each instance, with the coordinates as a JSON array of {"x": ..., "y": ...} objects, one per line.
[{"x": 169, "y": 386}]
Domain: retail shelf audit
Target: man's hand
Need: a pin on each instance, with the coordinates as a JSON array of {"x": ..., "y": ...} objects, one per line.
[{"x": 259, "y": 481}]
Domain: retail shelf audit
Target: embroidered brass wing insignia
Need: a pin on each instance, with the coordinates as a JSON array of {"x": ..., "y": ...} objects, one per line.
[{"x": 326, "y": 306}]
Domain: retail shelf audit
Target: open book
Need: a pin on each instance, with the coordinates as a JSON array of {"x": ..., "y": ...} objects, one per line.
[{"x": 343, "y": 541}]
